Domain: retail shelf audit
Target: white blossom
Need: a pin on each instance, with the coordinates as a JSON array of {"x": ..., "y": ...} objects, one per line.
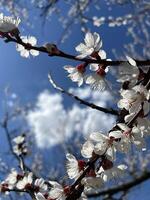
[
  {"x": 114, "y": 172},
  {"x": 92, "y": 44},
  {"x": 98, "y": 21},
  {"x": 93, "y": 183},
  {"x": 39, "y": 196},
  {"x": 96, "y": 81},
  {"x": 132, "y": 99},
  {"x": 24, "y": 52},
  {"x": 8, "y": 24},
  {"x": 20, "y": 145},
  {"x": 128, "y": 72},
  {"x": 12, "y": 177},
  {"x": 76, "y": 74},
  {"x": 19, "y": 139},
  {"x": 40, "y": 183},
  {"x": 127, "y": 137},
  {"x": 72, "y": 166},
  {"x": 98, "y": 143},
  {"x": 57, "y": 191},
  {"x": 27, "y": 180}
]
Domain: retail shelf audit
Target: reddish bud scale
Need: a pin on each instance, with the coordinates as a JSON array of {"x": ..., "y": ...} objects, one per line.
[
  {"x": 28, "y": 187},
  {"x": 81, "y": 164},
  {"x": 67, "y": 190},
  {"x": 36, "y": 189},
  {"x": 81, "y": 68},
  {"x": 28, "y": 46},
  {"x": 111, "y": 140},
  {"x": 141, "y": 114},
  {"x": 127, "y": 133},
  {"x": 101, "y": 71},
  {"x": 19, "y": 177},
  {"x": 4, "y": 187},
  {"x": 48, "y": 198},
  {"x": 107, "y": 164},
  {"x": 46, "y": 195},
  {"x": 92, "y": 173},
  {"x": 95, "y": 55}
]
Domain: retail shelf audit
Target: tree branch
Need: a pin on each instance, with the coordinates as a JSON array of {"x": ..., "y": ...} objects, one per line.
[
  {"x": 114, "y": 190},
  {"x": 91, "y": 105},
  {"x": 69, "y": 56}
]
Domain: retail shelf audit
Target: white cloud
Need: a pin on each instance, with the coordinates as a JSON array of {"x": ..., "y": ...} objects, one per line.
[{"x": 52, "y": 123}]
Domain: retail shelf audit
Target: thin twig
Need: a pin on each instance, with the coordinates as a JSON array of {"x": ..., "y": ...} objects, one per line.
[
  {"x": 62, "y": 54},
  {"x": 91, "y": 105}
]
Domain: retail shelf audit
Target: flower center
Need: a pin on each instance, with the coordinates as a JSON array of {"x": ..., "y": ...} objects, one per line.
[
  {"x": 92, "y": 173},
  {"x": 81, "y": 164},
  {"x": 66, "y": 190},
  {"x": 107, "y": 164},
  {"x": 101, "y": 71},
  {"x": 81, "y": 68}
]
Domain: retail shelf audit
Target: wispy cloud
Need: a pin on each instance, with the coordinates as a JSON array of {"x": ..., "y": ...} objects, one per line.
[{"x": 52, "y": 123}]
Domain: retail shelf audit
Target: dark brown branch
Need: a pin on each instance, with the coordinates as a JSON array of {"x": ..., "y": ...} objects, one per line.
[
  {"x": 72, "y": 57},
  {"x": 145, "y": 176},
  {"x": 91, "y": 105},
  {"x": 104, "y": 62}
]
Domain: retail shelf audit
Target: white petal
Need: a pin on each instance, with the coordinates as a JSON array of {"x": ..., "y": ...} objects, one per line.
[
  {"x": 115, "y": 134},
  {"x": 131, "y": 61},
  {"x": 21, "y": 185},
  {"x": 122, "y": 167},
  {"x": 81, "y": 48},
  {"x": 98, "y": 137},
  {"x": 34, "y": 52},
  {"x": 39, "y": 196},
  {"x": 24, "y": 53},
  {"x": 32, "y": 40},
  {"x": 24, "y": 39},
  {"x": 55, "y": 184},
  {"x": 19, "y": 47},
  {"x": 94, "y": 67},
  {"x": 110, "y": 154},
  {"x": 80, "y": 82},
  {"x": 123, "y": 126},
  {"x": 29, "y": 178},
  {"x": 87, "y": 149},
  {"x": 89, "y": 40},
  {"x": 100, "y": 148},
  {"x": 56, "y": 193},
  {"x": 102, "y": 54},
  {"x": 97, "y": 39},
  {"x": 146, "y": 107},
  {"x": 70, "y": 69},
  {"x": 89, "y": 79}
]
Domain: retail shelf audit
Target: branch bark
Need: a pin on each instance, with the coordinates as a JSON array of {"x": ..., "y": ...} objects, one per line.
[
  {"x": 114, "y": 190},
  {"x": 91, "y": 105}
]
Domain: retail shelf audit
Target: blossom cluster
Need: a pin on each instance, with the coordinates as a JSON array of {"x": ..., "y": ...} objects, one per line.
[
  {"x": 20, "y": 147},
  {"x": 99, "y": 150},
  {"x": 111, "y": 21},
  {"x": 92, "y": 49}
]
